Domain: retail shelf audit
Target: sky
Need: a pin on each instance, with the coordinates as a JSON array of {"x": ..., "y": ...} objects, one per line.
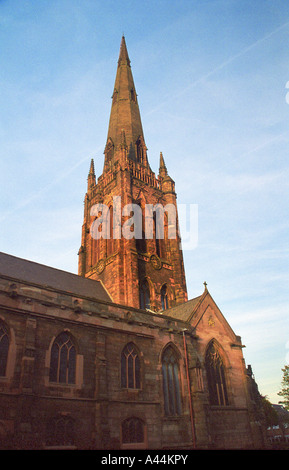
[{"x": 212, "y": 78}]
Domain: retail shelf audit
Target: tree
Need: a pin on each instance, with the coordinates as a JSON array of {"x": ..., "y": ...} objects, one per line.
[
  {"x": 284, "y": 392},
  {"x": 270, "y": 414}
]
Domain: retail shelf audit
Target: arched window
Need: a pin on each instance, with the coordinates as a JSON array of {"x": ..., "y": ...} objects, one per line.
[
  {"x": 132, "y": 431},
  {"x": 216, "y": 376},
  {"x": 171, "y": 382},
  {"x": 4, "y": 346},
  {"x": 63, "y": 360},
  {"x": 158, "y": 227},
  {"x": 164, "y": 297},
  {"x": 144, "y": 295},
  {"x": 109, "y": 228},
  {"x": 130, "y": 367},
  {"x": 95, "y": 243},
  {"x": 60, "y": 431},
  {"x": 141, "y": 244}
]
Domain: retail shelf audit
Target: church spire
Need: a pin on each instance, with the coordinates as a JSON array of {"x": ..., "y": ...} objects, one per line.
[
  {"x": 137, "y": 270},
  {"x": 125, "y": 115}
]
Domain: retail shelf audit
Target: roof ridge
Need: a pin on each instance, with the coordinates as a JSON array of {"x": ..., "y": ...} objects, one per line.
[{"x": 46, "y": 266}]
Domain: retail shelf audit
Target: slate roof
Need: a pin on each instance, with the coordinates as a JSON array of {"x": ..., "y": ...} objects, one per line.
[
  {"x": 45, "y": 276},
  {"x": 183, "y": 311}
]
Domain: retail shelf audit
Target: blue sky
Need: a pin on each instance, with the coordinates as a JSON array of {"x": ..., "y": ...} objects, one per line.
[{"x": 211, "y": 81}]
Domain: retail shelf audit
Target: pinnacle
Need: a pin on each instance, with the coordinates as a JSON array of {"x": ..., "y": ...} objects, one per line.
[
  {"x": 163, "y": 169},
  {"x": 162, "y": 162},
  {"x": 91, "y": 170}
]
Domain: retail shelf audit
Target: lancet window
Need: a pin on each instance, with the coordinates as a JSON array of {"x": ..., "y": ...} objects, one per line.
[
  {"x": 164, "y": 297},
  {"x": 130, "y": 367},
  {"x": 144, "y": 295},
  {"x": 63, "y": 360},
  {"x": 216, "y": 376},
  {"x": 171, "y": 382}
]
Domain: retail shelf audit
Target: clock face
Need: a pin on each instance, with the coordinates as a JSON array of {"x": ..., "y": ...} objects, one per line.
[
  {"x": 100, "y": 266},
  {"x": 155, "y": 261}
]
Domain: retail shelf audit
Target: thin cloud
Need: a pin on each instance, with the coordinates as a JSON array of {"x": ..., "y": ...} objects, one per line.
[
  {"x": 264, "y": 144},
  {"x": 222, "y": 65},
  {"x": 53, "y": 182}
]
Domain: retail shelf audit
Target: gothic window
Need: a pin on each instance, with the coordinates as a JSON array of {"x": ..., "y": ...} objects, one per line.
[
  {"x": 216, "y": 376},
  {"x": 130, "y": 367},
  {"x": 60, "y": 431},
  {"x": 109, "y": 228},
  {"x": 164, "y": 297},
  {"x": 156, "y": 235},
  {"x": 132, "y": 431},
  {"x": 141, "y": 242},
  {"x": 63, "y": 360},
  {"x": 171, "y": 382},
  {"x": 4, "y": 346},
  {"x": 144, "y": 295}
]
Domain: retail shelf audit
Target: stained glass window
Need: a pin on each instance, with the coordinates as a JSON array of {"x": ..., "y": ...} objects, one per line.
[
  {"x": 171, "y": 383},
  {"x": 63, "y": 360},
  {"x": 130, "y": 367},
  {"x": 216, "y": 376}
]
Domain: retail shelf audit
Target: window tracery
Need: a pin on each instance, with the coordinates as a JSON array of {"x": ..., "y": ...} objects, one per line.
[
  {"x": 130, "y": 367},
  {"x": 63, "y": 360},
  {"x": 216, "y": 376},
  {"x": 171, "y": 382}
]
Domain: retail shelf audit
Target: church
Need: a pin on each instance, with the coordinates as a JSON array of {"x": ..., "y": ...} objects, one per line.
[{"x": 118, "y": 357}]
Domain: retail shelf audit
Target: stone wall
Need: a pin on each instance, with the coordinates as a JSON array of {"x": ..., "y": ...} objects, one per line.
[{"x": 35, "y": 315}]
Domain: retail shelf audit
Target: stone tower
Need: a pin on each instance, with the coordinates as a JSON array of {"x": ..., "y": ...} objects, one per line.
[{"x": 128, "y": 213}]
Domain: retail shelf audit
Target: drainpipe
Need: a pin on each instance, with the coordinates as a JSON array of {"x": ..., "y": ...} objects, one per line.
[{"x": 189, "y": 389}]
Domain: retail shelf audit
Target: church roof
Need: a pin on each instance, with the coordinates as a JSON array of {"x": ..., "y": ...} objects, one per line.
[
  {"x": 30, "y": 272},
  {"x": 184, "y": 311}
]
